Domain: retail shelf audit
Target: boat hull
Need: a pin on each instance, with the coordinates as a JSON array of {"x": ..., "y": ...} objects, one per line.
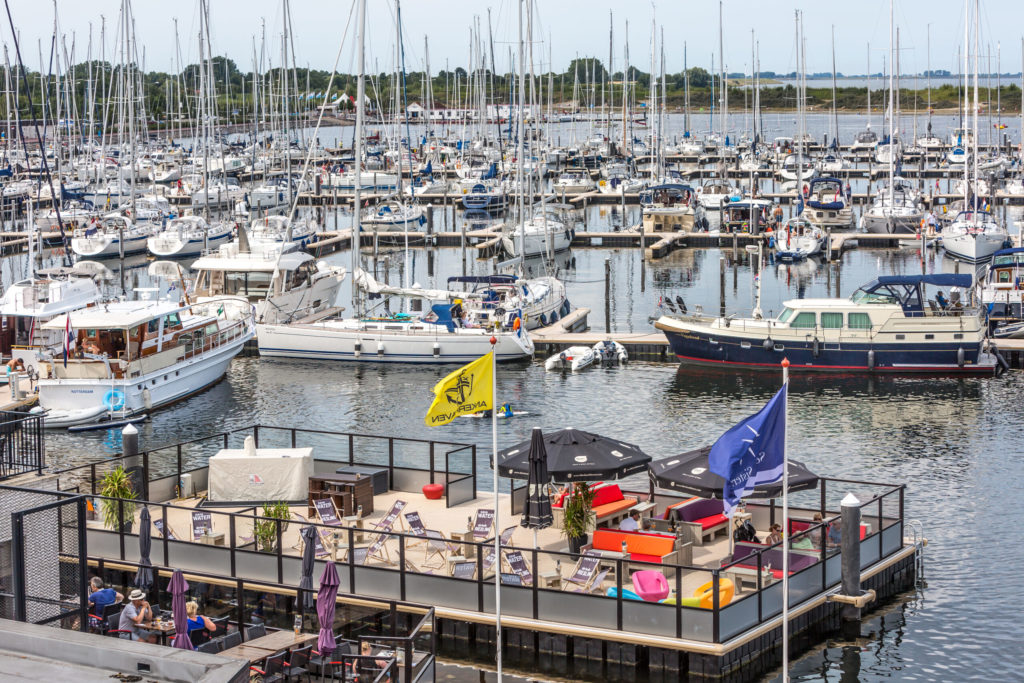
[
  {"x": 326, "y": 342},
  {"x": 973, "y": 247},
  {"x": 129, "y": 396},
  {"x": 694, "y": 347}
]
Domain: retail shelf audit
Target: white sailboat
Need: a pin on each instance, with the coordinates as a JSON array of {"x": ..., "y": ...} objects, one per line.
[{"x": 188, "y": 236}]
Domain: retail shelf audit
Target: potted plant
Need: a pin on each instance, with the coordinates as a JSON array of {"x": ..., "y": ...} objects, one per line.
[
  {"x": 118, "y": 492},
  {"x": 265, "y": 529},
  {"x": 579, "y": 519}
]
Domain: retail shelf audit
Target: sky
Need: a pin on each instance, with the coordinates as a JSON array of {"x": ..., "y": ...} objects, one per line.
[{"x": 564, "y": 29}]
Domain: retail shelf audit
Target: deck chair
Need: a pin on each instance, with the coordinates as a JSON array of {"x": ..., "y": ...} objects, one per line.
[
  {"x": 489, "y": 558},
  {"x": 326, "y": 513},
  {"x": 167, "y": 532},
  {"x": 464, "y": 570},
  {"x": 595, "y": 584},
  {"x": 583, "y": 574},
  {"x": 518, "y": 565},
  {"x": 437, "y": 547},
  {"x": 359, "y": 555},
  {"x": 483, "y": 524},
  {"x": 387, "y": 522},
  {"x": 415, "y": 526}
]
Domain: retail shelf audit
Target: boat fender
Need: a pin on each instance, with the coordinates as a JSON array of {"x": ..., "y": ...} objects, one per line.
[
  {"x": 554, "y": 317},
  {"x": 357, "y": 348},
  {"x": 871, "y": 359},
  {"x": 768, "y": 344},
  {"x": 380, "y": 349},
  {"x": 437, "y": 350},
  {"x": 561, "y": 356},
  {"x": 960, "y": 357},
  {"x": 816, "y": 350},
  {"x": 147, "y": 399}
]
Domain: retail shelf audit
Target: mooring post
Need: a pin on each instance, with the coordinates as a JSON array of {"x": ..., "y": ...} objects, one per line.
[
  {"x": 850, "y": 546},
  {"x": 607, "y": 295},
  {"x": 721, "y": 288},
  {"x": 430, "y": 219}
]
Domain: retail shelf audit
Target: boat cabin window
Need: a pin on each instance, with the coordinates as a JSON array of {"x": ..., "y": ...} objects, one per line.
[
  {"x": 1003, "y": 276},
  {"x": 786, "y": 315},
  {"x": 859, "y": 321},
  {"x": 805, "y": 319},
  {"x": 252, "y": 284},
  {"x": 831, "y": 321},
  {"x": 881, "y": 295}
]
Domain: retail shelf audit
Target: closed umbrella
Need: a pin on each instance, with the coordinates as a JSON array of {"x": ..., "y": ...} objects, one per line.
[
  {"x": 178, "y": 587},
  {"x": 308, "y": 554},
  {"x": 574, "y": 455},
  {"x": 689, "y": 473},
  {"x": 326, "y": 602},
  {"x": 144, "y": 577},
  {"x": 537, "y": 513}
]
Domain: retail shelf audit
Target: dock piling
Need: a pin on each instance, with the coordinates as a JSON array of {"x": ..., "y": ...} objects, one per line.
[
  {"x": 721, "y": 289},
  {"x": 607, "y": 295},
  {"x": 850, "y": 544}
]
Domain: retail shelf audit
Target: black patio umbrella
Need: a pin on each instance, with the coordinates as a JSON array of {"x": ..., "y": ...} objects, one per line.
[
  {"x": 144, "y": 577},
  {"x": 537, "y": 513},
  {"x": 308, "y": 534},
  {"x": 689, "y": 473},
  {"x": 574, "y": 455}
]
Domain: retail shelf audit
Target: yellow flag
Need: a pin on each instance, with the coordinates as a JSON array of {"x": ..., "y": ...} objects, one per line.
[{"x": 465, "y": 391}]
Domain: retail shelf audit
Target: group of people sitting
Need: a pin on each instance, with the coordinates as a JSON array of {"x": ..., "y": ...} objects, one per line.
[{"x": 138, "y": 614}]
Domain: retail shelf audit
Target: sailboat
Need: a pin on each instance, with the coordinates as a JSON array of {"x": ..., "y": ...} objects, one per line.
[
  {"x": 975, "y": 234},
  {"x": 445, "y": 334}
]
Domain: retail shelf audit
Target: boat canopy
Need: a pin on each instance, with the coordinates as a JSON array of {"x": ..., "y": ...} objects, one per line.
[
  {"x": 905, "y": 290},
  {"x": 483, "y": 279}
]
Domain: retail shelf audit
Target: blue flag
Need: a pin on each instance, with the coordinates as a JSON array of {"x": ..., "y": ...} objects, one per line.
[{"x": 752, "y": 452}]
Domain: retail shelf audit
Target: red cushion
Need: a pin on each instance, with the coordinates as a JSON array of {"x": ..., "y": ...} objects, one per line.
[
  {"x": 607, "y": 494},
  {"x": 640, "y": 557},
  {"x": 713, "y": 520},
  {"x": 433, "y": 491}
]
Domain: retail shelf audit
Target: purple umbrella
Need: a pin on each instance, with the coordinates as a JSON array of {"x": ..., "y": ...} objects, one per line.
[
  {"x": 178, "y": 587},
  {"x": 326, "y": 602}
]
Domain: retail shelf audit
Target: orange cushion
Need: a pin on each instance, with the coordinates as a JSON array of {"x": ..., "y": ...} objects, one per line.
[
  {"x": 640, "y": 557},
  {"x": 712, "y": 521},
  {"x": 646, "y": 544},
  {"x": 612, "y": 508},
  {"x": 607, "y": 494}
]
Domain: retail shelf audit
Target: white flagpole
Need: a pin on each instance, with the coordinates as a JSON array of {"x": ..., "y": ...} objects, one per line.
[
  {"x": 785, "y": 525},
  {"x": 497, "y": 506}
]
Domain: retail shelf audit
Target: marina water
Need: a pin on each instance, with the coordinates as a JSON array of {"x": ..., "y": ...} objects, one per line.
[{"x": 953, "y": 441}]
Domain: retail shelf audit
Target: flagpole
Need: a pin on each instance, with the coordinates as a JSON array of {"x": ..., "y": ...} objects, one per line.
[
  {"x": 785, "y": 525},
  {"x": 497, "y": 506}
]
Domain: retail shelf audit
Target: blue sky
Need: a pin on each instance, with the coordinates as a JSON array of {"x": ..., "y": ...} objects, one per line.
[{"x": 569, "y": 28}]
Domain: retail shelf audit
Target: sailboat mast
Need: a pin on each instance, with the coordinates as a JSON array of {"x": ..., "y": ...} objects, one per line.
[
  {"x": 892, "y": 112},
  {"x": 520, "y": 147},
  {"x": 357, "y": 151},
  {"x": 929, "y": 75},
  {"x": 721, "y": 65},
  {"x": 967, "y": 37},
  {"x": 835, "y": 112}
]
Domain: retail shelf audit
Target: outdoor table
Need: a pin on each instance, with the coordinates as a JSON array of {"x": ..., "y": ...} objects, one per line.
[
  {"x": 356, "y": 522},
  {"x": 644, "y": 508},
  {"x": 466, "y": 537},
  {"x": 247, "y": 653},
  {"x": 162, "y": 630},
  {"x": 551, "y": 580},
  {"x": 281, "y": 640}
]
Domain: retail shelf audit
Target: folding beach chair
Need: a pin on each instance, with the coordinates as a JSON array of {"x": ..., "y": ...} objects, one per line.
[
  {"x": 167, "y": 532},
  {"x": 483, "y": 523},
  {"x": 202, "y": 522},
  {"x": 519, "y": 566},
  {"x": 327, "y": 513},
  {"x": 595, "y": 584},
  {"x": 415, "y": 526},
  {"x": 464, "y": 570},
  {"x": 437, "y": 547},
  {"x": 489, "y": 557},
  {"x": 584, "y": 573},
  {"x": 387, "y": 522}
]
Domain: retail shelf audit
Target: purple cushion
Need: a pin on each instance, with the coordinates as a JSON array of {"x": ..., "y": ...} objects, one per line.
[{"x": 699, "y": 509}]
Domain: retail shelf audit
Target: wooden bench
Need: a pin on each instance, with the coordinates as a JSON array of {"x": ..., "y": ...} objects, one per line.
[
  {"x": 703, "y": 517},
  {"x": 640, "y": 546}
]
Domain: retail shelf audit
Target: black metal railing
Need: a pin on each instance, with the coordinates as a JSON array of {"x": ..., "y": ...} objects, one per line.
[
  {"x": 21, "y": 444},
  {"x": 243, "y": 554}
]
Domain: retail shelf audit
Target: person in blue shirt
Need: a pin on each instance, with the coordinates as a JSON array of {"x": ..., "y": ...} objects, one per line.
[
  {"x": 199, "y": 627},
  {"x": 100, "y": 598}
]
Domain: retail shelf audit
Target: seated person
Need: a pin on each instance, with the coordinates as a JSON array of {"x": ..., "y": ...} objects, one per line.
[
  {"x": 630, "y": 523},
  {"x": 199, "y": 627},
  {"x": 940, "y": 299},
  {"x": 834, "y": 536},
  {"x": 775, "y": 534},
  {"x": 647, "y": 524},
  {"x": 101, "y": 597},
  {"x": 816, "y": 533},
  {"x": 136, "y": 613}
]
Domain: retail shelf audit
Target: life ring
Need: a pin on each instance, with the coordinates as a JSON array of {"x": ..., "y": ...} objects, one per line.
[{"x": 113, "y": 400}]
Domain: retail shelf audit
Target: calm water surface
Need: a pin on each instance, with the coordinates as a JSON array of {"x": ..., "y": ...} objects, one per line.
[{"x": 954, "y": 442}]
